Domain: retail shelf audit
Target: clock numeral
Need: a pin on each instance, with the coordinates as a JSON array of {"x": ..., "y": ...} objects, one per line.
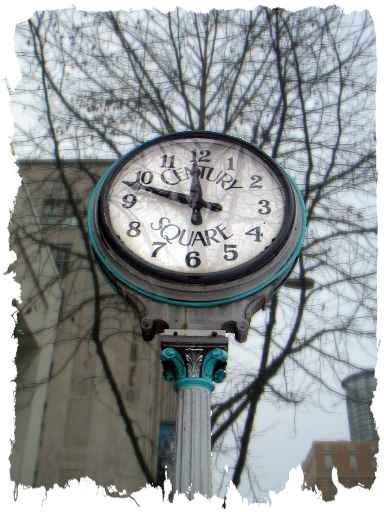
[
  {"x": 204, "y": 154},
  {"x": 230, "y": 252},
  {"x": 129, "y": 200},
  {"x": 265, "y": 208},
  {"x": 144, "y": 177},
  {"x": 133, "y": 229},
  {"x": 255, "y": 181},
  {"x": 192, "y": 259},
  {"x": 157, "y": 249},
  {"x": 230, "y": 164},
  {"x": 168, "y": 161},
  {"x": 256, "y": 232}
]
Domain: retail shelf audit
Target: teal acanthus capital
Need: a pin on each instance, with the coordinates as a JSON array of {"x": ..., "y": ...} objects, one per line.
[{"x": 193, "y": 367}]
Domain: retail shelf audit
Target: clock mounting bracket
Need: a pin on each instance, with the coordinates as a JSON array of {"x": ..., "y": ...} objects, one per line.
[{"x": 235, "y": 317}]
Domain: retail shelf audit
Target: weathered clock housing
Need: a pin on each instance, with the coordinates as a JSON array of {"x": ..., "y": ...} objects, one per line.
[{"x": 244, "y": 244}]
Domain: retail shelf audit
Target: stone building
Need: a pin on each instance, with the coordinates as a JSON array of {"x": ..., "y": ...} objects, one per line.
[{"x": 90, "y": 397}]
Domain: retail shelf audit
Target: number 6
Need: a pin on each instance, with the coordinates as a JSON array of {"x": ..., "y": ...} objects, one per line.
[{"x": 192, "y": 259}]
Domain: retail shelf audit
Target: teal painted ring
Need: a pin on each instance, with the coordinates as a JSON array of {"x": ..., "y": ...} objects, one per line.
[
  {"x": 193, "y": 382},
  {"x": 284, "y": 269}
]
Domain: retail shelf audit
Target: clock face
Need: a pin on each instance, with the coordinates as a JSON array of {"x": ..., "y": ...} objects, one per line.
[{"x": 197, "y": 207}]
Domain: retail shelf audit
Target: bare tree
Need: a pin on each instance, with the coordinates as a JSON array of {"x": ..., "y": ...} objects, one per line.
[{"x": 300, "y": 86}]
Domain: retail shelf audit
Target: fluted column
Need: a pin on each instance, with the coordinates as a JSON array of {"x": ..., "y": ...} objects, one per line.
[
  {"x": 193, "y": 364},
  {"x": 193, "y": 434}
]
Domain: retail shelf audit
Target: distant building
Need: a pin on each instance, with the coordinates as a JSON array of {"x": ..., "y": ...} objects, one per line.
[
  {"x": 355, "y": 463},
  {"x": 354, "y": 460},
  {"x": 359, "y": 389},
  {"x": 68, "y": 421}
]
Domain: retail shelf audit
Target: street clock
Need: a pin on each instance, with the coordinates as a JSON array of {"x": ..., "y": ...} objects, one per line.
[
  {"x": 188, "y": 221},
  {"x": 196, "y": 219}
]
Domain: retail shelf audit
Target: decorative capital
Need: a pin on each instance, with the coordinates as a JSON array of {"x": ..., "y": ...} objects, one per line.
[
  {"x": 173, "y": 364},
  {"x": 190, "y": 361},
  {"x": 214, "y": 365}
]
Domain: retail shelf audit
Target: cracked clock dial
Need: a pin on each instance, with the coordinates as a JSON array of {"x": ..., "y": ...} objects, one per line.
[{"x": 198, "y": 205}]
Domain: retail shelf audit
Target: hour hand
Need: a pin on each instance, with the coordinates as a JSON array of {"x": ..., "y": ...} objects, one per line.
[
  {"x": 179, "y": 197},
  {"x": 169, "y": 194}
]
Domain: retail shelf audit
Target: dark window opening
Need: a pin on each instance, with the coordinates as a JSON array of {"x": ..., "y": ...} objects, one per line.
[
  {"x": 58, "y": 211},
  {"x": 61, "y": 255},
  {"x": 166, "y": 461}
]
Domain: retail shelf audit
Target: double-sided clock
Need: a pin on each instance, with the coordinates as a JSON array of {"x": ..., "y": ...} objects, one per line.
[{"x": 196, "y": 219}]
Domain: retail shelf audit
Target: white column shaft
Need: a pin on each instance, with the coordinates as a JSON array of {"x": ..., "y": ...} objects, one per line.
[{"x": 193, "y": 455}]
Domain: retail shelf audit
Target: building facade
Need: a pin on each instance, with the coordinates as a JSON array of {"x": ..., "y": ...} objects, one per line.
[
  {"x": 354, "y": 460},
  {"x": 355, "y": 463},
  {"x": 90, "y": 398}
]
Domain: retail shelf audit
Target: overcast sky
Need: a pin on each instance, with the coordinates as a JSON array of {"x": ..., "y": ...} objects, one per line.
[{"x": 286, "y": 433}]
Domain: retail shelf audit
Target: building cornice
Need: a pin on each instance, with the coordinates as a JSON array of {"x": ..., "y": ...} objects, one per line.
[{"x": 69, "y": 161}]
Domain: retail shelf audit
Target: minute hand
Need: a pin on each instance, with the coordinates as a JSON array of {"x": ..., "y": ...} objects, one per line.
[{"x": 179, "y": 197}]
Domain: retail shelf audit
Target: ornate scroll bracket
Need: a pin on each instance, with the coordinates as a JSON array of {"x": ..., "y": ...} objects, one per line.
[{"x": 194, "y": 358}]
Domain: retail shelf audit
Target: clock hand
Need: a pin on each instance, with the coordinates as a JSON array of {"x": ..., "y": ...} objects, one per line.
[
  {"x": 214, "y": 207},
  {"x": 179, "y": 197},
  {"x": 196, "y": 195}
]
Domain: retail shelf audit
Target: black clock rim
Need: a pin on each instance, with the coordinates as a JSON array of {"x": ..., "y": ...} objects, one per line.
[{"x": 249, "y": 267}]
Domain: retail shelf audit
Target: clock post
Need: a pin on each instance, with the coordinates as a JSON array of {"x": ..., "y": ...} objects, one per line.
[
  {"x": 197, "y": 230},
  {"x": 194, "y": 360}
]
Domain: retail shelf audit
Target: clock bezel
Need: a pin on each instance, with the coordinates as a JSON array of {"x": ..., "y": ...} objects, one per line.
[{"x": 212, "y": 278}]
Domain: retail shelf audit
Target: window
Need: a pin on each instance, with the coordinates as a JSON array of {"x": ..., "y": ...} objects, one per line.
[
  {"x": 167, "y": 451},
  {"x": 133, "y": 356},
  {"x": 328, "y": 461},
  {"x": 58, "y": 211},
  {"x": 131, "y": 393},
  {"x": 353, "y": 460},
  {"x": 61, "y": 255}
]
